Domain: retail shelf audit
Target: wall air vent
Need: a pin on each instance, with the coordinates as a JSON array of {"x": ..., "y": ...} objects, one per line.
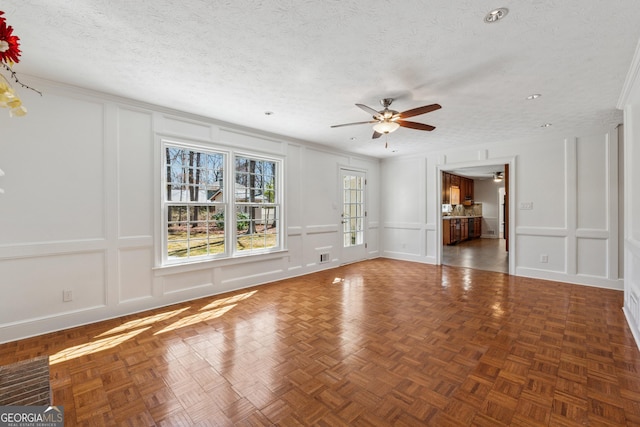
[{"x": 324, "y": 258}]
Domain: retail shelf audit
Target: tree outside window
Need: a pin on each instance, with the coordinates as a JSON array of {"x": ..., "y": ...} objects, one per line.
[{"x": 197, "y": 204}]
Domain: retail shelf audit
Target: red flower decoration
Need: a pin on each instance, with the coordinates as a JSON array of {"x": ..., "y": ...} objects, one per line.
[{"x": 9, "y": 45}]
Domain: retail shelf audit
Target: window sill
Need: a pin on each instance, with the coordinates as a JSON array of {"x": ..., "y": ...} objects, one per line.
[{"x": 168, "y": 269}]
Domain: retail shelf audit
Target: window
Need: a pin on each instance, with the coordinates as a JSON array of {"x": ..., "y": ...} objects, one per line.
[
  {"x": 198, "y": 204},
  {"x": 257, "y": 214}
]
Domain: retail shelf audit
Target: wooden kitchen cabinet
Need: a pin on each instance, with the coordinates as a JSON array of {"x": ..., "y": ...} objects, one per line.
[
  {"x": 446, "y": 231},
  {"x": 455, "y": 195},
  {"x": 464, "y": 186},
  {"x": 450, "y": 231},
  {"x": 466, "y": 191},
  {"x": 468, "y": 194},
  {"x": 446, "y": 188},
  {"x": 463, "y": 189},
  {"x": 456, "y": 230},
  {"x": 464, "y": 229},
  {"x": 475, "y": 227}
]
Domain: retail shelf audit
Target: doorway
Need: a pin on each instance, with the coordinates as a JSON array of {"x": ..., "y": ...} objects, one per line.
[
  {"x": 354, "y": 215},
  {"x": 482, "y": 206}
]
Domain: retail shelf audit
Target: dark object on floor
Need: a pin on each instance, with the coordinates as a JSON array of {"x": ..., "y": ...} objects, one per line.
[{"x": 25, "y": 383}]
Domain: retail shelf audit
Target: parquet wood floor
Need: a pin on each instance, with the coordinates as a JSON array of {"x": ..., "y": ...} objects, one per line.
[{"x": 375, "y": 343}]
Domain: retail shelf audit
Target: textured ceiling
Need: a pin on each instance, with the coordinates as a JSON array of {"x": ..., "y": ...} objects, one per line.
[{"x": 310, "y": 61}]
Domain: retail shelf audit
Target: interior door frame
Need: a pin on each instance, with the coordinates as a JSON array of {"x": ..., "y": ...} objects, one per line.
[
  {"x": 342, "y": 169},
  {"x": 511, "y": 211}
]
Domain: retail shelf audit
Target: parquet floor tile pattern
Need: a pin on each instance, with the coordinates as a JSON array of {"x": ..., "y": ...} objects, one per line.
[{"x": 375, "y": 343}]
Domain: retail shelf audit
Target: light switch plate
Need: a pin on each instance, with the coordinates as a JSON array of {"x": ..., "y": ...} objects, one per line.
[{"x": 526, "y": 205}]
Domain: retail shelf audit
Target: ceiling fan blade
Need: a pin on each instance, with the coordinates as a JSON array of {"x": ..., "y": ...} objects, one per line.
[
  {"x": 415, "y": 125},
  {"x": 370, "y": 110},
  {"x": 356, "y": 123},
  {"x": 420, "y": 110},
  {"x": 376, "y": 135}
]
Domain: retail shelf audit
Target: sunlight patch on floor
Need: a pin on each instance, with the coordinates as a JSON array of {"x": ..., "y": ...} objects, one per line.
[
  {"x": 93, "y": 346},
  {"x": 229, "y": 300},
  {"x": 196, "y": 318},
  {"x": 136, "y": 323}
]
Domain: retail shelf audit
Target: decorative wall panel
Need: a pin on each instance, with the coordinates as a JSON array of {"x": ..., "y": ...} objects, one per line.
[
  {"x": 592, "y": 257},
  {"x": 135, "y": 280},
  {"x": 135, "y": 169},
  {"x": 39, "y": 283}
]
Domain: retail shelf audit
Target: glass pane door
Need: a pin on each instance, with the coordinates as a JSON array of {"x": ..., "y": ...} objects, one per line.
[{"x": 353, "y": 212}]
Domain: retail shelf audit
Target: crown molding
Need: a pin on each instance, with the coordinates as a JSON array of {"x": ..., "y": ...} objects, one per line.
[{"x": 632, "y": 80}]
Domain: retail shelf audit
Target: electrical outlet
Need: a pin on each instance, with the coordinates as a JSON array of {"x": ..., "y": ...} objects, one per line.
[
  {"x": 67, "y": 295},
  {"x": 544, "y": 258}
]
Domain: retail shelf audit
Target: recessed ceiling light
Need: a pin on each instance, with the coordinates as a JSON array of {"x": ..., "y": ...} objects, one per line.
[
  {"x": 353, "y": 138},
  {"x": 496, "y": 15},
  {"x": 546, "y": 125},
  {"x": 534, "y": 96},
  {"x": 268, "y": 113}
]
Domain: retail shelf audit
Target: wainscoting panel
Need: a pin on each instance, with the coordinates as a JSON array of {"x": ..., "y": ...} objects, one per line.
[
  {"x": 184, "y": 127},
  {"x": 187, "y": 281},
  {"x": 632, "y": 286},
  {"x": 531, "y": 251},
  {"x": 135, "y": 279},
  {"x": 243, "y": 275},
  {"x": 251, "y": 141},
  {"x": 135, "y": 165},
  {"x": 591, "y": 181},
  {"x": 404, "y": 241},
  {"x": 43, "y": 280},
  {"x": 592, "y": 257}
]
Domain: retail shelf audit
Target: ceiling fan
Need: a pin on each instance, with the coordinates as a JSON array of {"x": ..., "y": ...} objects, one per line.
[{"x": 387, "y": 121}]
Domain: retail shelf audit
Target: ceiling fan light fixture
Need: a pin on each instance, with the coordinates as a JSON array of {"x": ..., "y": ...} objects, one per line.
[
  {"x": 385, "y": 127},
  {"x": 387, "y": 120}
]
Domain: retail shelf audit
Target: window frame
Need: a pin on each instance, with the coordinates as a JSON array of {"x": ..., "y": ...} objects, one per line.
[
  {"x": 228, "y": 203},
  {"x": 277, "y": 204}
]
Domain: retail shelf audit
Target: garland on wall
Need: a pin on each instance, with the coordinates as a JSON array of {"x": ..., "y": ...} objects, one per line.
[{"x": 10, "y": 55}]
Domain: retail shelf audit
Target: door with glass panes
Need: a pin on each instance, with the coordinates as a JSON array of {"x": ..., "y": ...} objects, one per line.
[{"x": 353, "y": 216}]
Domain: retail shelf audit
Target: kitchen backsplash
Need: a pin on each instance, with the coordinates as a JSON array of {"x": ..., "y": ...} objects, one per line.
[{"x": 473, "y": 210}]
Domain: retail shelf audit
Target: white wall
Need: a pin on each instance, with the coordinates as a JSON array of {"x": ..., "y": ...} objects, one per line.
[
  {"x": 404, "y": 237},
  {"x": 574, "y": 197},
  {"x": 80, "y": 210},
  {"x": 485, "y": 191},
  {"x": 630, "y": 101}
]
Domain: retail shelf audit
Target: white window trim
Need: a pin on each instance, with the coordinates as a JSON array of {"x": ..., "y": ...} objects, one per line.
[{"x": 231, "y": 255}]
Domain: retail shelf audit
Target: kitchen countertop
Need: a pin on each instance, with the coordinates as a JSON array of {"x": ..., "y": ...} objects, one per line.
[{"x": 461, "y": 216}]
